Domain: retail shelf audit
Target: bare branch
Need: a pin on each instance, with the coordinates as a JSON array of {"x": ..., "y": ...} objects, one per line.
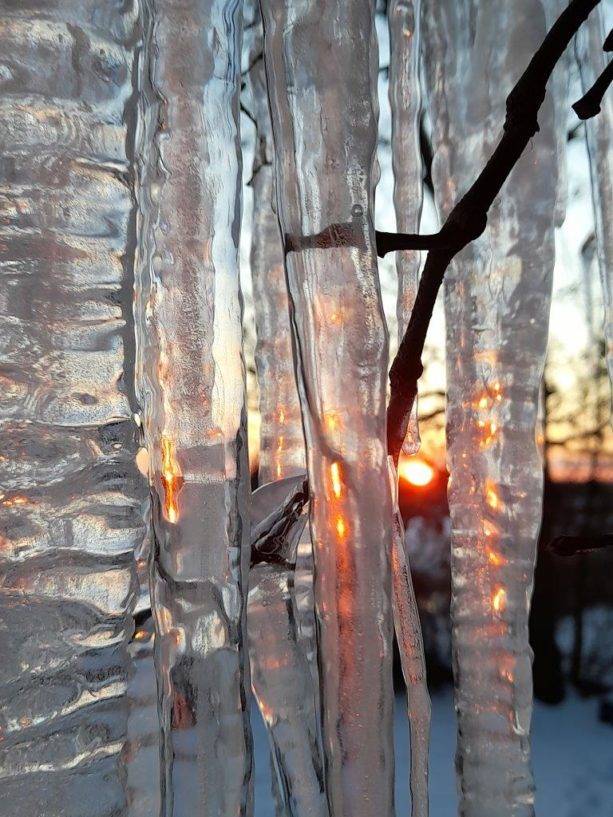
[
  {"x": 589, "y": 104},
  {"x": 575, "y": 545}
]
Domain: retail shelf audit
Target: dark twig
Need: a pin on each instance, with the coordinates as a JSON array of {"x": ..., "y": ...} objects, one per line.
[
  {"x": 575, "y": 545},
  {"x": 391, "y": 242},
  {"x": 468, "y": 219},
  {"x": 589, "y": 104},
  {"x": 608, "y": 43}
]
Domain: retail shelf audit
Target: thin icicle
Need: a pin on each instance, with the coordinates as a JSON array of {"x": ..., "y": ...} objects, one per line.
[
  {"x": 412, "y": 660},
  {"x": 405, "y": 101},
  {"x": 322, "y": 70},
  {"x": 592, "y": 61},
  {"x": 497, "y": 308},
  {"x": 189, "y": 319}
]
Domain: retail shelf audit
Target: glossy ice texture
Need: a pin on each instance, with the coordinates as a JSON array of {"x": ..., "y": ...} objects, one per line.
[
  {"x": 142, "y": 752},
  {"x": 192, "y": 387},
  {"x": 321, "y": 62},
  {"x": 405, "y": 102},
  {"x": 497, "y": 307},
  {"x": 71, "y": 501},
  {"x": 592, "y": 62}
]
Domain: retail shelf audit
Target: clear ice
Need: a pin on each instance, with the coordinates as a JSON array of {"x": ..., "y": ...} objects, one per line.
[
  {"x": 497, "y": 298},
  {"x": 72, "y": 498},
  {"x": 321, "y": 64},
  {"x": 592, "y": 61},
  {"x": 191, "y": 382}
]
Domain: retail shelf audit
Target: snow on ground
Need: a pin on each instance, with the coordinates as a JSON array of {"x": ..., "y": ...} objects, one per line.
[{"x": 572, "y": 754}]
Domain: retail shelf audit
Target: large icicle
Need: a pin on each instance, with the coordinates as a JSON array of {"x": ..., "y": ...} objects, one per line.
[
  {"x": 592, "y": 61},
  {"x": 322, "y": 70},
  {"x": 282, "y": 680},
  {"x": 405, "y": 102},
  {"x": 72, "y": 498},
  {"x": 189, "y": 311},
  {"x": 497, "y": 307}
]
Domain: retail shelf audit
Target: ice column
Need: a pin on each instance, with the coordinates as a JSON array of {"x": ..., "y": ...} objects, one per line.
[
  {"x": 497, "y": 307},
  {"x": 322, "y": 69},
  {"x": 71, "y": 499},
  {"x": 592, "y": 61},
  {"x": 279, "y": 646},
  {"x": 189, "y": 319},
  {"x": 405, "y": 101}
]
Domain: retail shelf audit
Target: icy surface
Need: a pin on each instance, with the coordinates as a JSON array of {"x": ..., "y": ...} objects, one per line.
[
  {"x": 405, "y": 103},
  {"x": 71, "y": 500},
  {"x": 497, "y": 307},
  {"x": 192, "y": 387},
  {"x": 321, "y": 61}
]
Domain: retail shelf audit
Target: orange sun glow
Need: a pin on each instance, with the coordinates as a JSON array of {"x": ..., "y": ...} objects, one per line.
[{"x": 416, "y": 472}]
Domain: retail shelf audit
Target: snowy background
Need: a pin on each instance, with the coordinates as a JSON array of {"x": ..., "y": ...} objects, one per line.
[{"x": 572, "y": 758}]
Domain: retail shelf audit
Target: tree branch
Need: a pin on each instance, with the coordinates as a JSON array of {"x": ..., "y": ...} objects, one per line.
[
  {"x": 589, "y": 104},
  {"x": 574, "y": 545},
  {"x": 468, "y": 219}
]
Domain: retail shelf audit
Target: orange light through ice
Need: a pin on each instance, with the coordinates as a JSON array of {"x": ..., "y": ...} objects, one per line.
[
  {"x": 499, "y": 600},
  {"x": 341, "y": 527},
  {"x": 491, "y": 495},
  {"x": 335, "y": 474},
  {"x": 416, "y": 472},
  {"x": 171, "y": 480}
]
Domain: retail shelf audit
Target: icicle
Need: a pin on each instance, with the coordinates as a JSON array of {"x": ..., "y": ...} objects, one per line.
[
  {"x": 281, "y": 438},
  {"x": 497, "y": 309},
  {"x": 71, "y": 499},
  {"x": 281, "y": 634},
  {"x": 405, "y": 101},
  {"x": 322, "y": 71},
  {"x": 412, "y": 660},
  {"x": 592, "y": 61},
  {"x": 189, "y": 319}
]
